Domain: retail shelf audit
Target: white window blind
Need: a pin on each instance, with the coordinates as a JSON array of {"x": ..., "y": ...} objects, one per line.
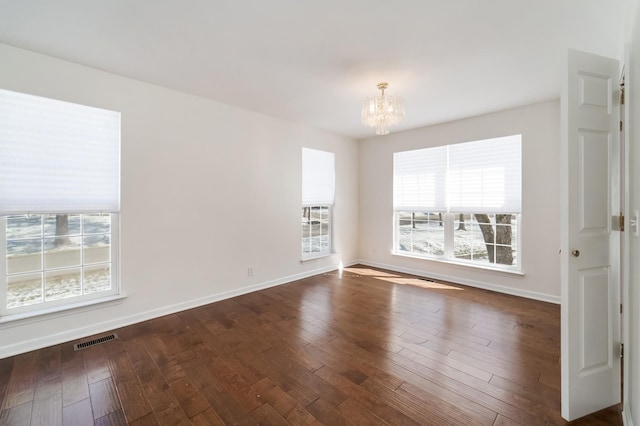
[
  {"x": 419, "y": 180},
  {"x": 57, "y": 157},
  {"x": 481, "y": 176},
  {"x": 318, "y": 177}
]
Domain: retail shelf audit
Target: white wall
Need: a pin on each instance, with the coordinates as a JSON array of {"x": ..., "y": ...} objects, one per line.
[
  {"x": 539, "y": 125},
  {"x": 207, "y": 191}
]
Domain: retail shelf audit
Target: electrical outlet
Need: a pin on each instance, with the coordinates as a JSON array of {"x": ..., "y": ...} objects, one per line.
[{"x": 250, "y": 271}]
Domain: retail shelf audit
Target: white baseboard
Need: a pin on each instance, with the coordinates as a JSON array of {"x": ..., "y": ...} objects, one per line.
[
  {"x": 112, "y": 324},
  {"x": 626, "y": 418},
  {"x": 471, "y": 283}
]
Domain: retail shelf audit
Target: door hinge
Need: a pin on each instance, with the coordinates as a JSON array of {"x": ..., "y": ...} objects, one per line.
[
  {"x": 620, "y": 125},
  {"x": 621, "y": 350},
  {"x": 621, "y": 93},
  {"x": 621, "y": 308},
  {"x": 618, "y": 223},
  {"x": 621, "y": 222}
]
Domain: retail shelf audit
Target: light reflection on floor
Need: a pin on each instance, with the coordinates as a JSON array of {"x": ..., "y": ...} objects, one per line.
[{"x": 398, "y": 279}]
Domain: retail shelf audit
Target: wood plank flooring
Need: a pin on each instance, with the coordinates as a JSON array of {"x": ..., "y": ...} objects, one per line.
[{"x": 364, "y": 346}]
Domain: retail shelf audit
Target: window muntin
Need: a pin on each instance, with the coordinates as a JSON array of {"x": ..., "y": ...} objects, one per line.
[
  {"x": 474, "y": 190},
  {"x": 55, "y": 258}
]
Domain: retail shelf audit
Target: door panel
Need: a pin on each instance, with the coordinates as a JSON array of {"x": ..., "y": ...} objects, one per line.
[{"x": 590, "y": 255}]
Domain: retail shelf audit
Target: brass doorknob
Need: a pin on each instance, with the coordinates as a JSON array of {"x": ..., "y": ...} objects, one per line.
[{"x": 575, "y": 253}]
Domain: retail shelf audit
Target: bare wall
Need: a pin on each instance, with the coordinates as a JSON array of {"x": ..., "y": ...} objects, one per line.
[{"x": 539, "y": 125}]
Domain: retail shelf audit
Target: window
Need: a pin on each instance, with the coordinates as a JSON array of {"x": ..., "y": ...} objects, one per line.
[
  {"x": 460, "y": 203},
  {"x": 59, "y": 202},
  {"x": 318, "y": 187}
]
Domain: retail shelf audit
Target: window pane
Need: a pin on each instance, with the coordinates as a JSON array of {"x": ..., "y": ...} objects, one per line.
[
  {"x": 97, "y": 248},
  {"x": 62, "y": 284},
  {"x": 97, "y": 278},
  {"x": 24, "y": 256},
  {"x": 61, "y": 224},
  {"x": 485, "y": 238},
  {"x": 99, "y": 223},
  {"x": 421, "y": 233},
  {"x": 62, "y": 251},
  {"x": 468, "y": 240},
  {"x": 24, "y": 290},
  {"x": 24, "y": 226}
]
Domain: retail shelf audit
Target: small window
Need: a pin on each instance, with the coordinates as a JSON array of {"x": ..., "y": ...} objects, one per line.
[
  {"x": 316, "y": 230},
  {"x": 318, "y": 193}
]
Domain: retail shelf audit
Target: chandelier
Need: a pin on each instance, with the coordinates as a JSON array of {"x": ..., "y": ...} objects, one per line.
[{"x": 382, "y": 111}]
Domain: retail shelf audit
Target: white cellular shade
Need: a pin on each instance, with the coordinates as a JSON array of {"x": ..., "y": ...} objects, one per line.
[
  {"x": 318, "y": 177},
  {"x": 473, "y": 177},
  {"x": 485, "y": 176},
  {"x": 419, "y": 179},
  {"x": 57, "y": 157}
]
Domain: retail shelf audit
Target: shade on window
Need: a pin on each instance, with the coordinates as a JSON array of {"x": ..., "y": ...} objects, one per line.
[
  {"x": 318, "y": 177},
  {"x": 57, "y": 157},
  {"x": 481, "y": 176}
]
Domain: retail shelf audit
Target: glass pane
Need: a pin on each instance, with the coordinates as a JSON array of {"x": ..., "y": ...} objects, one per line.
[
  {"x": 97, "y": 278},
  {"x": 421, "y": 233},
  {"x": 24, "y": 290},
  {"x": 61, "y": 224},
  {"x": 99, "y": 223},
  {"x": 469, "y": 238},
  {"x": 24, "y": 226},
  {"x": 97, "y": 248},
  {"x": 24, "y": 256},
  {"x": 62, "y": 251},
  {"x": 62, "y": 284}
]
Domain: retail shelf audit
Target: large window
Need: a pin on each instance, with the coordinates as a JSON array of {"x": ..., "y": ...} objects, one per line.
[
  {"x": 318, "y": 187},
  {"x": 59, "y": 202},
  {"x": 460, "y": 203}
]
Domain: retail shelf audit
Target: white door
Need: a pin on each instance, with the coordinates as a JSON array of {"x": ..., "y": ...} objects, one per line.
[{"x": 590, "y": 239}]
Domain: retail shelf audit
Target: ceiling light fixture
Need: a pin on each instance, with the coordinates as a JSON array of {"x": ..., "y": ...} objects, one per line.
[{"x": 382, "y": 111}]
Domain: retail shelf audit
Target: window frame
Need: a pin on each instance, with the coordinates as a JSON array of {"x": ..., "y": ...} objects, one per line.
[
  {"x": 470, "y": 178},
  {"x": 67, "y": 302},
  {"x": 329, "y": 249},
  {"x": 448, "y": 256}
]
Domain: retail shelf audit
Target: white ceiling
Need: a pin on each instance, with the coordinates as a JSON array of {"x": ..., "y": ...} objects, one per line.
[{"x": 315, "y": 61}]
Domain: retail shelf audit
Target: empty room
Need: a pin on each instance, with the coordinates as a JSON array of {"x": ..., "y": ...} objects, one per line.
[{"x": 286, "y": 212}]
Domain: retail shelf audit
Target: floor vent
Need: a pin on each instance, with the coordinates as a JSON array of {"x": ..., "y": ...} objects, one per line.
[{"x": 97, "y": 341}]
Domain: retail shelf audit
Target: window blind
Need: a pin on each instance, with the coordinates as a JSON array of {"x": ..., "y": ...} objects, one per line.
[
  {"x": 419, "y": 180},
  {"x": 474, "y": 177},
  {"x": 57, "y": 157},
  {"x": 318, "y": 177}
]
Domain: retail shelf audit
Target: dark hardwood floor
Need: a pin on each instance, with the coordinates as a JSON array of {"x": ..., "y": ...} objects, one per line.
[{"x": 362, "y": 347}]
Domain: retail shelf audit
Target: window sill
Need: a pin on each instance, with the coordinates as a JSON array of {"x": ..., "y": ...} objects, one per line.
[
  {"x": 46, "y": 313},
  {"x": 512, "y": 271},
  {"x": 315, "y": 257}
]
